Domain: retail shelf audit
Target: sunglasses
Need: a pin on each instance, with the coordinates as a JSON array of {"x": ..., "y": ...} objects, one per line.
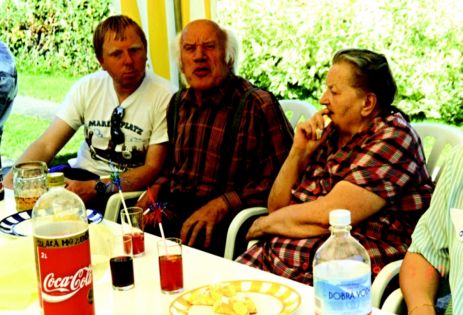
[{"x": 117, "y": 136}]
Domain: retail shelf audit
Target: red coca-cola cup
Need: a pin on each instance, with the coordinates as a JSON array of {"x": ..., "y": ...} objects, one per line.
[{"x": 133, "y": 226}]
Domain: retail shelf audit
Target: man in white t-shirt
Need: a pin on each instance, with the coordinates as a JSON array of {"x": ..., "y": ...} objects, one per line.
[{"x": 122, "y": 109}]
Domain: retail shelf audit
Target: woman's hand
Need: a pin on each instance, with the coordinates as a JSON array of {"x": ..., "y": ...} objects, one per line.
[{"x": 309, "y": 135}]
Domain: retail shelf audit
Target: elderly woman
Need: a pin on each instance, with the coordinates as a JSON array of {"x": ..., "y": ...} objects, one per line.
[{"x": 368, "y": 160}]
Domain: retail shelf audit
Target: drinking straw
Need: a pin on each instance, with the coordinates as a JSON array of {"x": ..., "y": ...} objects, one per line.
[
  {"x": 126, "y": 212},
  {"x": 158, "y": 215},
  {"x": 116, "y": 180}
]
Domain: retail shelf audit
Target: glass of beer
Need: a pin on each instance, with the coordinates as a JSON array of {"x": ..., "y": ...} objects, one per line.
[
  {"x": 170, "y": 265},
  {"x": 29, "y": 183}
]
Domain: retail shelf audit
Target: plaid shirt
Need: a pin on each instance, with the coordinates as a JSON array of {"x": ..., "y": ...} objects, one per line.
[
  {"x": 206, "y": 164},
  {"x": 386, "y": 159}
]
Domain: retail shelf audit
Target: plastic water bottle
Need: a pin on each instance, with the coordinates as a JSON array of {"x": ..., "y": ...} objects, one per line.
[
  {"x": 62, "y": 253},
  {"x": 342, "y": 271}
]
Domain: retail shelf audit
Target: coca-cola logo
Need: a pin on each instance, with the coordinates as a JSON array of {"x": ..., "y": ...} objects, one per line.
[{"x": 58, "y": 289}]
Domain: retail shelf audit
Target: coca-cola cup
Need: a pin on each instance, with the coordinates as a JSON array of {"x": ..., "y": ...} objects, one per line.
[
  {"x": 170, "y": 265},
  {"x": 133, "y": 226},
  {"x": 121, "y": 262}
]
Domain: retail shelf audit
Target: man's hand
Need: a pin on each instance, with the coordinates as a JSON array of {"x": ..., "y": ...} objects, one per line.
[
  {"x": 85, "y": 189},
  {"x": 205, "y": 218}
]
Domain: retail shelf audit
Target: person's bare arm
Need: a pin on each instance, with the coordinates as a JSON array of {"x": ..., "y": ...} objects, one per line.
[
  {"x": 304, "y": 144},
  {"x": 419, "y": 281},
  {"x": 134, "y": 179},
  {"x": 312, "y": 218},
  {"x": 45, "y": 147}
]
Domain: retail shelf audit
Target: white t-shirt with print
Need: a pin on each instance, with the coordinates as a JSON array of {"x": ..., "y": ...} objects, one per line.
[{"x": 91, "y": 102}]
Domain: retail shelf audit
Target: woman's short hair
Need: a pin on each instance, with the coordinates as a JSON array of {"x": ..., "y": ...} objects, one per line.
[
  {"x": 231, "y": 48},
  {"x": 117, "y": 24},
  {"x": 372, "y": 74}
]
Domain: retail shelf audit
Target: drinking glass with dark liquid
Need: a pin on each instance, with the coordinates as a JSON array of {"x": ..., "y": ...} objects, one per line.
[
  {"x": 121, "y": 263},
  {"x": 29, "y": 183}
]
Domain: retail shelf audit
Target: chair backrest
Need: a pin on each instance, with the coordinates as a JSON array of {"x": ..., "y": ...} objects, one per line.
[
  {"x": 297, "y": 110},
  {"x": 438, "y": 140},
  {"x": 113, "y": 206},
  {"x": 387, "y": 295}
]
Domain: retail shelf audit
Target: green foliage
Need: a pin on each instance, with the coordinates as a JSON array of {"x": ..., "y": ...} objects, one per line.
[
  {"x": 44, "y": 86},
  {"x": 287, "y": 46},
  {"x": 20, "y": 131},
  {"x": 48, "y": 36}
]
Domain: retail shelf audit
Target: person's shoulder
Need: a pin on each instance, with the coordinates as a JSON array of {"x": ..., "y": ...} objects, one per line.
[
  {"x": 160, "y": 83},
  {"x": 392, "y": 122},
  {"x": 257, "y": 95},
  {"x": 93, "y": 78},
  {"x": 91, "y": 83},
  {"x": 394, "y": 128}
]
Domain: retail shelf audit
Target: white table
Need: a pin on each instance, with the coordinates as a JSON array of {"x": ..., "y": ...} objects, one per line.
[{"x": 200, "y": 268}]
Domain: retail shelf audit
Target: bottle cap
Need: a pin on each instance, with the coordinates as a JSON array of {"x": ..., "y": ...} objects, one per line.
[
  {"x": 339, "y": 217},
  {"x": 55, "y": 179}
]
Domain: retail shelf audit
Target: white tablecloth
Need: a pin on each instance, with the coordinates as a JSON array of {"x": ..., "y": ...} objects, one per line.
[{"x": 200, "y": 268}]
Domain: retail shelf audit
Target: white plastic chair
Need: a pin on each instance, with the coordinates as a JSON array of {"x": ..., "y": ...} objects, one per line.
[
  {"x": 438, "y": 139},
  {"x": 114, "y": 204},
  {"x": 395, "y": 303},
  {"x": 444, "y": 137},
  {"x": 300, "y": 110},
  {"x": 385, "y": 276},
  {"x": 295, "y": 111},
  {"x": 235, "y": 226}
]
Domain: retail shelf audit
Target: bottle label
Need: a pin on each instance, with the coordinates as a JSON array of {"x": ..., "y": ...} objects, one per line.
[
  {"x": 65, "y": 274},
  {"x": 343, "y": 296}
]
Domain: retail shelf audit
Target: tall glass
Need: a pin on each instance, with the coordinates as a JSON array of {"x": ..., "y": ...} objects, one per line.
[
  {"x": 121, "y": 262},
  {"x": 29, "y": 183},
  {"x": 133, "y": 227},
  {"x": 170, "y": 265}
]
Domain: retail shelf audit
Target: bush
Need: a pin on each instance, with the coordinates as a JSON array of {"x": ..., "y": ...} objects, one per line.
[
  {"x": 49, "y": 36},
  {"x": 287, "y": 46}
]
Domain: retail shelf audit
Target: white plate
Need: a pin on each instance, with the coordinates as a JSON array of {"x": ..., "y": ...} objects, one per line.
[
  {"x": 270, "y": 298},
  {"x": 19, "y": 224}
]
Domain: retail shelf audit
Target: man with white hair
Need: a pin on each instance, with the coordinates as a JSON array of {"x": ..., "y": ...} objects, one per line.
[{"x": 227, "y": 140}]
